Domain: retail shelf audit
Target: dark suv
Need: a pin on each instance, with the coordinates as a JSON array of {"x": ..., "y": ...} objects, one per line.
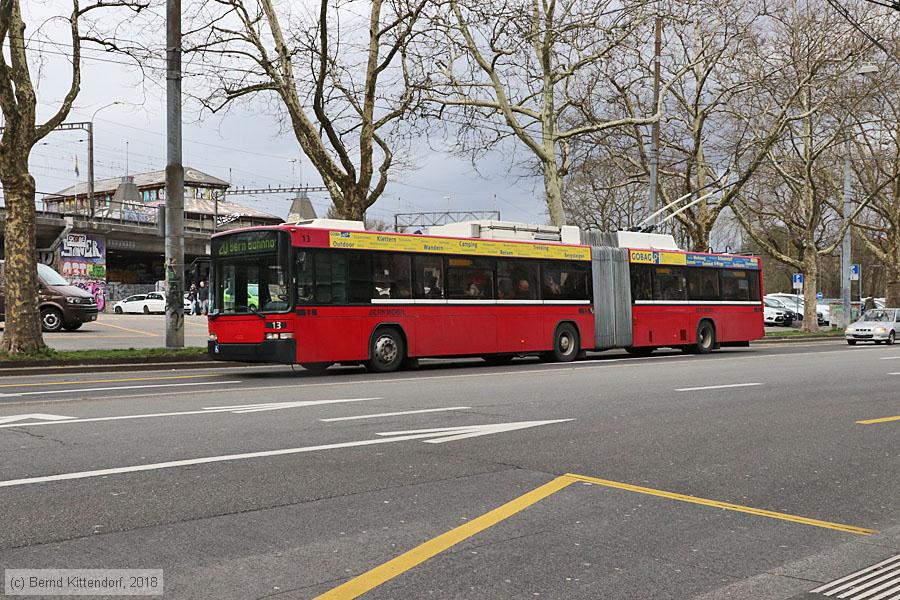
[{"x": 62, "y": 306}]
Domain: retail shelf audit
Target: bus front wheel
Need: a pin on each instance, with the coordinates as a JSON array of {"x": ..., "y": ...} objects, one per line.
[{"x": 386, "y": 351}]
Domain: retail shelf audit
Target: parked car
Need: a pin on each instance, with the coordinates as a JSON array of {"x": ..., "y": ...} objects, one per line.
[
  {"x": 62, "y": 306},
  {"x": 788, "y": 316},
  {"x": 154, "y": 302},
  {"x": 879, "y": 325},
  {"x": 795, "y": 302},
  {"x": 773, "y": 316}
]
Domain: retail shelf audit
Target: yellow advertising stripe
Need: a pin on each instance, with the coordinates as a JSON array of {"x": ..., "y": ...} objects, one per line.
[
  {"x": 361, "y": 240},
  {"x": 14, "y": 385},
  {"x": 881, "y": 420},
  {"x": 406, "y": 561},
  {"x": 724, "y": 505}
]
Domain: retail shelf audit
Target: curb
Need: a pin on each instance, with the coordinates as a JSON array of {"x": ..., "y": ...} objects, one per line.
[
  {"x": 799, "y": 339},
  {"x": 98, "y": 367}
]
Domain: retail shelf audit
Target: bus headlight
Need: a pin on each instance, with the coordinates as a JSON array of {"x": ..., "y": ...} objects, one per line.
[{"x": 279, "y": 336}]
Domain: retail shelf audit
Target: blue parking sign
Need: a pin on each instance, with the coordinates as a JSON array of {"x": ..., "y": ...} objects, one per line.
[
  {"x": 798, "y": 281},
  {"x": 854, "y": 272}
]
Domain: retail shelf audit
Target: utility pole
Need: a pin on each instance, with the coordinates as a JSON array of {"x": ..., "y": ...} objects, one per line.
[
  {"x": 174, "y": 181},
  {"x": 654, "y": 151},
  {"x": 845, "y": 247},
  {"x": 91, "y": 203}
]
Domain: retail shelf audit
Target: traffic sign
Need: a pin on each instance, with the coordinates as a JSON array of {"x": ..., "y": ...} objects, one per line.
[
  {"x": 798, "y": 281},
  {"x": 855, "y": 270},
  {"x": 819, "y": 295}
]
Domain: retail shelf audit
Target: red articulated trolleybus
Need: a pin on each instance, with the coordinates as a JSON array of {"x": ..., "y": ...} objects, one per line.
[{"x": 322, "y": 292}]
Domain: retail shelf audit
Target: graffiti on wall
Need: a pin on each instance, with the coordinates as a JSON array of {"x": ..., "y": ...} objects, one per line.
[{"x": 82, "y": 260}]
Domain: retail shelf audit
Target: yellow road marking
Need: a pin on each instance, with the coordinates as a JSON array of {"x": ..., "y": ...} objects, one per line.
[
  {"x": 127, "y": 329},
  {"x": 406, "y": 561},
  {"x": 881, "y": 420},
  {"x": 10, "y": 385},
  {"x": 725, "y": 505}
]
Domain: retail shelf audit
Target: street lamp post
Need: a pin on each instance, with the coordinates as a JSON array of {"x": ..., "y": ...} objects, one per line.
[
  {"x": 90, "y": 132},
  {"x": 846, "y": 249}
]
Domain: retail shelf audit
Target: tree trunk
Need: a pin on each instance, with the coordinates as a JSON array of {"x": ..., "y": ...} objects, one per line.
[
  {"x": 553, "y": 191},
  {"x": 810, "y": 285},
  {"x": 22, "y": 332},
  {"x": 353, "y": 208},
  {"x": 892, "y": 291},
  {"x": 699, "y": 236}
]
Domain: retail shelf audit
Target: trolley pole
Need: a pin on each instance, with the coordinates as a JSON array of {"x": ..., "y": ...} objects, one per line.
[{"x": 174, "y": 181}]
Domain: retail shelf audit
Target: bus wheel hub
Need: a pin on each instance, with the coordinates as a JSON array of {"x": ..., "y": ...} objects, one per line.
[{"x": 385, "y": 349}]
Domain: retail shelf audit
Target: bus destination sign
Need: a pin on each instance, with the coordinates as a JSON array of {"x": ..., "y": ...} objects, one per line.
[
  {"x": 358, "y": 240},
  {"x": 250, "y": 242}
]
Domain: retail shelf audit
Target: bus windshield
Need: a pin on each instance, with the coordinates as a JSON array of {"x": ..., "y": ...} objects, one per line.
[{"x": 250, "y": 273}]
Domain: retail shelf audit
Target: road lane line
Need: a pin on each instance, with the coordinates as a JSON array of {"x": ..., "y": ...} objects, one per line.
[
  {"x": 880, "y": 420},
  {"x": 206, "y": 411},
  {"x": 87, "y": 381},
  {"x": 419, "y": 434},
  {"x": 385, "y": 572},
  {"x": 716, "y": 387},
  {"x": 724, "y": 505},
  {"x": 146, "y": 333},
  {"x": 119, "y": 387},
  {"x": 889, "y": 358},
  {"x": 395, "y": 414}
]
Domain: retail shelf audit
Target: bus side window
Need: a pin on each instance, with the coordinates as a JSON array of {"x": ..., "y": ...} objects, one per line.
[
  {"x": 517, "y": 279},
  {"x": 641, "y": 283},
  {"x": 304, "y": 277},
  {"x": 703, "y": 284},
  {"x": 739, "y": 285},
  {"x": 564, "y": 280},
  {"x": 331, "y": 278},
  {"x": 428, "y": 277},
  {"x": 362, "y": 286},
  {"x": 390, "y": 272},
  {"x": 669, "y": 283}
]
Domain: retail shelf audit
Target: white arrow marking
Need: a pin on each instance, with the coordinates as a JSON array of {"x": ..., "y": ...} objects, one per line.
[
  {"x": 395, "y": 414},
  {"x": 394, "y": 436},
  {"x": 240, "y": 408},
  {"x": 34, "y": 416}
]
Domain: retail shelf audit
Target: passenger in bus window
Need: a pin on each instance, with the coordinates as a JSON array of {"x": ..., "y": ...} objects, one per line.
[
  {"x": 551, "y": 286},
  {"x": 523, "y": 290},
  {"x": 432, "y": 290}
]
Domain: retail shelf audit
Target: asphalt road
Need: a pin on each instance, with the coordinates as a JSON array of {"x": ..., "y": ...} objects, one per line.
[{"x": 265, "y": 483}]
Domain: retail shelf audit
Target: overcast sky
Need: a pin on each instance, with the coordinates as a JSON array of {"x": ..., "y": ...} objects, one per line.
[{"x": 243, "y": 146}]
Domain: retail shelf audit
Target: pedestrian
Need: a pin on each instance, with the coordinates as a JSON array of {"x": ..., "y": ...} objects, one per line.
[
  {"x": 203, "y": 296},
  {"x": 192, "y": 299}
]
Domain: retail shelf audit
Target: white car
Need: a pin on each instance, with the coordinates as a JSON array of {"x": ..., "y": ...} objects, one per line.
[
  {"x": 154, "y": 302},
  {"x": 795, "y": 302},
  {"x": 773, "y": 316}
]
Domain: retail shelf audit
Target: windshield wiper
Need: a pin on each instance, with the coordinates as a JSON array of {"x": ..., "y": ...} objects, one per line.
[{"x": 256, "y": 312}]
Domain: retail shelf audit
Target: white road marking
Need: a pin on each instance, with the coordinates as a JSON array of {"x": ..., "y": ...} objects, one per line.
[
  {"x": 438, "y": 435},
  {"x": 238, "y": 409},
  {"x": 889, "y": 358},
  {"x": 120, "y": 387},
  {"x": 395, "y": 414},
  {"x": 716, "y": 387},
  {"x": 33, "y": 416}
]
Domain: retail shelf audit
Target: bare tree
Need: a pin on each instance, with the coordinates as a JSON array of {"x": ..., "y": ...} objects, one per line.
[
  {"x": 340, "y": 79},
  {"x": 535, "y": 71},
  {"x": 21, "y": 132},
  {"x": 792, "y": 200},
  {"x": 876, "y": 166}
]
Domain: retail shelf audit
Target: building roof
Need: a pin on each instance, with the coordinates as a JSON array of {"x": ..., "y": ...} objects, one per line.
[
  {"x": 226, "y": 209},
  {"x": 152, "y": 180}
]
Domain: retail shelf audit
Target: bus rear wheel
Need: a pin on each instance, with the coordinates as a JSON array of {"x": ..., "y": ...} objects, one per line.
[
  {"x": 566, "y": 344},
  {"x": 386, "y": 351},
  {"x": 706, "y": 338}
]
